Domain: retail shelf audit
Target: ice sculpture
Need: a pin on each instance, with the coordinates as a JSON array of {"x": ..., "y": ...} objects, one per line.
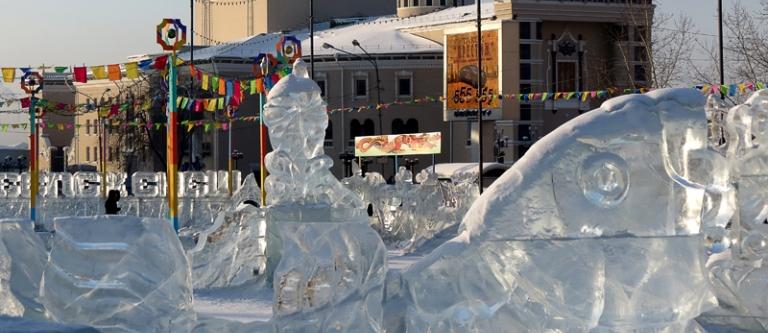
[
  {"x": 593, "y": 230},
  {"x": 330, "y": 276},
  {"x": 296, "y": 116},
  {"x": 232, "y": 251},
  {"x": 325, "y": 262},
  {"x": 9, "y": 305},
  {"x": 740, "y": 275},
  {"x": 27, "y": 257},
  {"x": 118, "y": 274}
]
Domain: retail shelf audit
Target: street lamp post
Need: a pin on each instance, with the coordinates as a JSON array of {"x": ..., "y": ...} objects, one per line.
[{"x": 370, "y": 59}]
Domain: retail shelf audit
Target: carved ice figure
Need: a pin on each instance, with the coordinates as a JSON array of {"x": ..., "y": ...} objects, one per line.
[
  {"x": 118, "y": 274},
  {"x": 740, "y": 277},
  {"x": 595, "y": 229},
  {"x": 297, "y": 117}
]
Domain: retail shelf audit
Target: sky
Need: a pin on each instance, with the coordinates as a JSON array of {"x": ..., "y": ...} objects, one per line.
[{"x": 94, "y": 32}]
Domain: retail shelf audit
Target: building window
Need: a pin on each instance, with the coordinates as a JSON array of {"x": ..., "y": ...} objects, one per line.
[
  {"x": 525, "y": 88},
  {"x": 525, "y": 51},
  {"x": 404, "y": 85},
  {"x": 398, "y": 126},
  {"x": 369, "y": 127},
  {"x": 525, "y": 71},
  {"x": 96, "y": 153},
  {"x": 640, "y": 54},
  {"x": 412, "y": 126},
  {"x": 87, "y": 126},
  {"x": 415, "y": 3},
  {"x": 640, "y": 73},
  {"x": 640, "y": 33},
  {"x": 525, "y": 112},
  {"x": 442, "y": 2},
  {"x": 429, "y": 2},
  {"x": 87, "y": 154},
  {"x": 525, "y": 30},
  {"x": 323, "y": 86},
  {"x": 566, "y": 76},
  {"x": 619, "y": 33},
  {"x": 405, "y": 3},
  {"x": 329, "y": 134},
  {"x": 361, "y": 87},
  {"x": 539, "y": 30}
]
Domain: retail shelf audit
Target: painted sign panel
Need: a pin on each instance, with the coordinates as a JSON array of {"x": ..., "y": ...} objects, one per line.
[
  {"x": 461, "y": 76},
  {"x": 399, "y": 144}
]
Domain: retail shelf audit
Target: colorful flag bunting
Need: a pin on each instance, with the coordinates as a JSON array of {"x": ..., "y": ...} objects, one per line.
[
  {"x": 9, "y": 74},
  {"x": 132, "y": 70},
  {"x": 81, "y": 74},
  {"x": 99, "y": 73},
  {"x": 114, "y": 72}
]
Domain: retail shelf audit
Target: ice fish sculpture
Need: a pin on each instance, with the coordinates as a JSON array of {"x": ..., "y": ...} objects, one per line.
[
  {"x": 297, "y": 117},
  {"x": 595, "y": 229}
]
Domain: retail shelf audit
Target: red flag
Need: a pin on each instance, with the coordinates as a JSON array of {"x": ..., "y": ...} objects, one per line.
[
  {"x": 198, "y": 105},
  {"x": 160, "y": 62},
  {"x": 81, "y": 74},
  {"x": 238, "y": 94},
  {"x": 25, "y": 102}
]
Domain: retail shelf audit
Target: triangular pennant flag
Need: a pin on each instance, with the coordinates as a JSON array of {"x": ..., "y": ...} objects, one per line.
[
  {"x": 145, "y": 64},
  {"x": 9, "y": 74},
  {"x": 190, "y": 126},
  {"x": 81, "y": 74},
  {"x": 131, "y": 71},
  {"x": 204, "y": 84},
  {"x": 230, "y": 89},
  {"x": 760, "y": 85},
  {"x": 222, "y": 87},
  {"x": 544, "y": 96},
  {"x": 732, "y": 90},
  {"x": 221, "y": 103},
  {"x": 198, "y": 106},
  {"x": 742, "y": 88},
  {"x": 570, "y": 95},
  {"x": 25, "y": 70},
  {"x": 99, "y": 72},
  {"x": 207, "y": 127},
  {"x": 214, "y": 83},
  {"x": 60, "y": 69},
  {"x": 114, "y": 72},
  {"x": 584, "y": 96},
  {"x": 160, "y": 62},
  {"x": 211, "y": 105},
  {"x": 705, "y": 88}
]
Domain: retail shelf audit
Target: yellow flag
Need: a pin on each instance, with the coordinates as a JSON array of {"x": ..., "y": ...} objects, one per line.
[
  {"x": 9, "y": 74},
  {"x": 221, "y": 103},
  {"x": 131, "y": 70},
  {"x": 99, "y": 72},
  {"x": 205, "y": 82},
  {"x": 211, "y": 105}
]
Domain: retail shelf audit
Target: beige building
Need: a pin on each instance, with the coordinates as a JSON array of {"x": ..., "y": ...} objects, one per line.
[
  {"x": 228, "y": 20},
  {"x": 543, "y": 46},
  {"x": 91, "y": 140}
]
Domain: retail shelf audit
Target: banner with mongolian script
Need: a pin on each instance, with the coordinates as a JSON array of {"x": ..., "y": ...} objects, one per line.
[
  {"x": 461, "y": 75},
  {"x": 399, "y": 144}
]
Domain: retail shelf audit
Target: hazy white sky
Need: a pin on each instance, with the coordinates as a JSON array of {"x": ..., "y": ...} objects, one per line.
[{"x": 73, "y": 32}]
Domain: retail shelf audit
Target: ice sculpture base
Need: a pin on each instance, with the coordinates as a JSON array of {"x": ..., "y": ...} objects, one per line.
[{"x": 328, "y": 267}]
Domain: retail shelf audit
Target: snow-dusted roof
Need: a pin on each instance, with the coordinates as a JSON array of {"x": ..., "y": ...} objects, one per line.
[{"x": 378, "y": 35}]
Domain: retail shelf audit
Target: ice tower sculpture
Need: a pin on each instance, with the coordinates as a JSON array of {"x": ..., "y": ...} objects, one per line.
[
  {"x": 296, "y": 116},
  {"x": 595, "y": 229},
  {"x": 326, "y": 263}
]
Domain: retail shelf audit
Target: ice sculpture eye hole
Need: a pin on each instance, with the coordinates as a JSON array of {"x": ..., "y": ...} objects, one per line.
[{"x": 604, "y": 179}]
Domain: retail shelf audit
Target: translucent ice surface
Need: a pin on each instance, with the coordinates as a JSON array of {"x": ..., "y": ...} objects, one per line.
[
  {"x": 331, "y": 271},
  {"x": 27, "y": 255},
  {"x": 118, "y": 274},
  {"x": 297, "y": 116},
  {"x": 595, "y": 229}
]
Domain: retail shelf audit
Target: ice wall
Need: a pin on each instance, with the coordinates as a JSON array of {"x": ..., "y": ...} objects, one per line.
[
  {"x": 27, "y": 256},
  {"x": 596, "y": 229}
]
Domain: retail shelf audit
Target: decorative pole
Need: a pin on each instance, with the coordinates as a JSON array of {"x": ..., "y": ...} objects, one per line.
[
  {"x": 230, "y": 160},
  {"x": 263, "y": 133},
  {"x": 480, "y": 96},
  {"x": 169, "y": 38},
  {"x": 32, "y": 83}
]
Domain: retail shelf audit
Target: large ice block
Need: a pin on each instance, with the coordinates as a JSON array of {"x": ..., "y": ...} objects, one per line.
[
  {"x": 118, "y": 274},
  {"x": 595, "y": 229},
  {"x": 27, "y": 256},
  {"x": 9, "y": 305},
  {"x": 330, "y": 272}
]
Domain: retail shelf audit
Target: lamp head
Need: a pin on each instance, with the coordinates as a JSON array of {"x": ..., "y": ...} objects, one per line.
[
  {"x": 327, "y": 46},
  {"x": 355, "y": 43}
]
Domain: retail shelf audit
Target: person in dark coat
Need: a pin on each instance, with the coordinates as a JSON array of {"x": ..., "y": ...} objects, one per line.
[{"x": 111, "y": 204}]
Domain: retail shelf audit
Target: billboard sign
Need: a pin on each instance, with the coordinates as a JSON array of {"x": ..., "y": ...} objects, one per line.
[
  {"x": 461, "y": 76},
  {"x": 399, "y": 144}
]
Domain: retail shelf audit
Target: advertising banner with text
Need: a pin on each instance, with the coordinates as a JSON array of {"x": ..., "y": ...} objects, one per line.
[
  {"x": 399, "y": 144},
  {"x": 461, "y": 76}
]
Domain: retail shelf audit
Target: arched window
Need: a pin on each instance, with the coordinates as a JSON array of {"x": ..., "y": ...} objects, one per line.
[
  {"x": 369, "y": 127},
  {"x": 329, "y": 134},
  {"x": 412, "y": 126},
  {"x": 355, "y": 129},
  {"x": 398, "y": 126}
]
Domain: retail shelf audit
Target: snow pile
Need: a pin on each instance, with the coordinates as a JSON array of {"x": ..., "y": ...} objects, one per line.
[
  {"x": 118, "y": 274},
  {"x": 595, "y": 229}
]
